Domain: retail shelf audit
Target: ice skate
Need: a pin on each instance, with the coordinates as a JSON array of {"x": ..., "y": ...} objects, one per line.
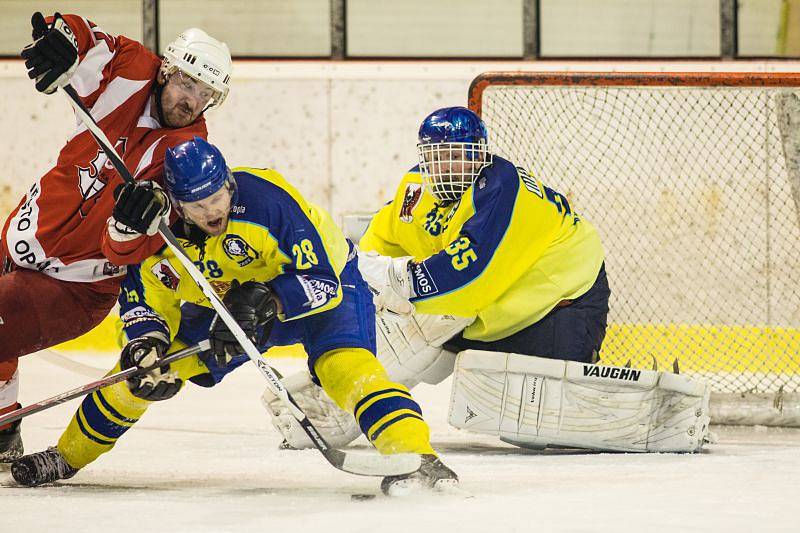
[
  {"x": 11, "y": 443},
  {"x": 432, "y": 474},
  {"x": 41, "y": 467}
]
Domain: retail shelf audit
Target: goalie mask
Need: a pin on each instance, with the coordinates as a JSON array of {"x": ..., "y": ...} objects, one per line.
[
  {"x": 202, "y": 58},
  {"x": 452, "y": 151}
]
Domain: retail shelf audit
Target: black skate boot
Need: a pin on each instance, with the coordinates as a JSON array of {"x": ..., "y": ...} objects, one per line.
[
  {"x": 41, "y": 467},
  {"x": 11, "y": 443},
  {"x": 432, "y": 474}
]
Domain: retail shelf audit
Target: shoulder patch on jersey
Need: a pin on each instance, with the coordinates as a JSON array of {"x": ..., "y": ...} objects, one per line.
[
  {"x": 237, "y": 249},
  {"x": 166, "y": 274},
  {"x": 410, "y": 201}
]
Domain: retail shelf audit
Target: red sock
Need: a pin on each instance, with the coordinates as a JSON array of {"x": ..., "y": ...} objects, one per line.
[{"x": 8, "y": 409}]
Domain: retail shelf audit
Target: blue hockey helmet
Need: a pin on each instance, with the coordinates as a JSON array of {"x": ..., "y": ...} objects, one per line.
[
  {"x": 452, "y": 151},
  {"x": 452, "y": 125},
  {"x": 194, "y": 170}
]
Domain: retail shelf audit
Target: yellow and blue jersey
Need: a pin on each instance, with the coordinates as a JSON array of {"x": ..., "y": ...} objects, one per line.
[
  {"x": 506, "y": 253},
  {"x": 274, "y": 235}
]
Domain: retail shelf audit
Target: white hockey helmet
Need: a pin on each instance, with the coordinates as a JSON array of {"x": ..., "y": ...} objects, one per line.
[{"x": 203, "y": 58}]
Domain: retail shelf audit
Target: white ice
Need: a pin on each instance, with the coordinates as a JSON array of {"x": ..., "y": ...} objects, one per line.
[{"x": 208, "y": 461}]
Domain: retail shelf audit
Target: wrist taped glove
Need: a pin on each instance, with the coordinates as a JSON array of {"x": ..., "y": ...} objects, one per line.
[
  {"x": 52, "y": 57},
  {"x": 158, "y": 384},
  {"x": 254, "y": 306},
  {"x": 139, "y": 208}
]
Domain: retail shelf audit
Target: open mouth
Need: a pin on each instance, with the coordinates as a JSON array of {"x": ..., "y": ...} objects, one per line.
[{"x": 215, "y": 224}]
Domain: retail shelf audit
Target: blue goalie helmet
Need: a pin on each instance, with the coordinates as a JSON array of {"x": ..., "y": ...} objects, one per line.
[
  {"x": 453, "y": 149},
  {"x": 195, "y": 170},
  {"x": 452, "y": 125}
]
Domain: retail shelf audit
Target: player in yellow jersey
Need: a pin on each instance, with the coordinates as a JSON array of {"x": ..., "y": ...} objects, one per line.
[
  {"x": 287, "y": 274},
  {"x": 472, "y": 235},
  {"x": 475, "y": 256}
]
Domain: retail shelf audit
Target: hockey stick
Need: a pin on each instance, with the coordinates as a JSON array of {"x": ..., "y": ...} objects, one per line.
[
  {"x": 365, "y": 465},
  {"x": 89, "y": 388}
]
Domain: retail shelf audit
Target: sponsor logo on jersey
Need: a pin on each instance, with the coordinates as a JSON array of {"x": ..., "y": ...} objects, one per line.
[
  {"x": 410, "y": 201},
  {"x": 166, "y": 274},
  {"x": 596, "y": 371},
  {"x": 237, "y": 249},
  {"x": 422, "y": 280},
  {"x": 318, "y": 291},
  {"x": 141, "y": 314}
]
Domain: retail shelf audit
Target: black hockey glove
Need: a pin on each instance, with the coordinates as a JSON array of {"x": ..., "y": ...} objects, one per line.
[
  {"x": 254, "y": 306},
  {"x": 53, "y": 55},
  {"x": 158, "y": 384},
  {"x": 139, "y": 207}
]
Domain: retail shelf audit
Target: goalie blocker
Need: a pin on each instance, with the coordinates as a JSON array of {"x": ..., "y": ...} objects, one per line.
[{"x": 534, "y": 402}]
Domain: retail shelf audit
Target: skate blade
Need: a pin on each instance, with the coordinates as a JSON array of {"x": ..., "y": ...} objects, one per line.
[
  {"x": 451, "y": 487},
  {"x": 404, "y": 488}
]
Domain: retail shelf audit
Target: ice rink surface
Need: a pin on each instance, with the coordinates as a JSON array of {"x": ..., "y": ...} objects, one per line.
[{"x": 207, "y": 460}]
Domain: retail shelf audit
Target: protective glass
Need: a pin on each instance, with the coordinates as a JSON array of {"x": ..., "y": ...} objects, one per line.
[
  {"x": 449, "y": 169},
  {"x": 198, "y": 90}
]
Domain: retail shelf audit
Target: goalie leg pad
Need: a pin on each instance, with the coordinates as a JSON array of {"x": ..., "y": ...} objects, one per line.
[
  {"x": 337, "y": 427},
  {"x": 536, "y": 402},
  {"x": 410, "y": 346}
]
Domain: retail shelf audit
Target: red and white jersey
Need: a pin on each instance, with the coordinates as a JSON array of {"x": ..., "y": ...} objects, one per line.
[{"x": 58, "y": 227}]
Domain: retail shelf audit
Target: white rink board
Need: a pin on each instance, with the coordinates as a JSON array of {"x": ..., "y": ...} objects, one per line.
[
  {"x": 343, "y": 132},
  {"x": 206, "y": 461}
]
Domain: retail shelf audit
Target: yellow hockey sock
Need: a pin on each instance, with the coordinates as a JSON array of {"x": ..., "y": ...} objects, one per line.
[{"x": 385, "y": 411}]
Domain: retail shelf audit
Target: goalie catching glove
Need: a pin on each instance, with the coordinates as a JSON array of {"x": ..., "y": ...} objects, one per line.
[
  {"x": 158, "y": 384},
  {"x": 254, "y": 306},
  {"x": 52, "y": 57}
]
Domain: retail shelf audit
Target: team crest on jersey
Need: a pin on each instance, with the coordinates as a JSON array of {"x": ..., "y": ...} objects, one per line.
[
  {"x": 166, "y": 274},
  {"x": 410, "y": 201},
  {"x": 238, "y": 250},
  {"x": 90, "y": 178}
]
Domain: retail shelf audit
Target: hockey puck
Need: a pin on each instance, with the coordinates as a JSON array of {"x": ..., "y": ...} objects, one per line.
[{"x": 362, "y": 497}]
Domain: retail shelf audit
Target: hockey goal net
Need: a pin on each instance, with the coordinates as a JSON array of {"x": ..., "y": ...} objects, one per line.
[{"x": 693, "y": 181}]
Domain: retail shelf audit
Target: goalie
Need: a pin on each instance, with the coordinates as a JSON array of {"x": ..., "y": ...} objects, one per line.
[{"x": 476, "y": 257}]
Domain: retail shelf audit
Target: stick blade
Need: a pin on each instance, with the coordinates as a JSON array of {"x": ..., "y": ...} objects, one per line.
[{"x": 369, "y": 464}]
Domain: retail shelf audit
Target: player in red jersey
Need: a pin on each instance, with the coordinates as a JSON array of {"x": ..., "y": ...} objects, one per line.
[{"x": 59, "y": 270}]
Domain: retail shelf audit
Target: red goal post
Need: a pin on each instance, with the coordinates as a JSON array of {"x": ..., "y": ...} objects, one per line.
[{"x": 693, "y": 181}]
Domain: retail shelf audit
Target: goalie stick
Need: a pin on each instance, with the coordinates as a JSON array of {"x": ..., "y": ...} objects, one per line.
[
  {"x": 89, "y": 388},
  {"x": 360, "y": 464}
]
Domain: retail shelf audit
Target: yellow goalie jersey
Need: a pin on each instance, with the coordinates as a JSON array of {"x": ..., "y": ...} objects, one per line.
[
  {"x": 273, "y": 235},
  {"x": 507, "y": 252}
]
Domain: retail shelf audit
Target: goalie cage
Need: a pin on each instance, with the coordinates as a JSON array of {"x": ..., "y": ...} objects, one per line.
[{"x": 692, "y": 182}]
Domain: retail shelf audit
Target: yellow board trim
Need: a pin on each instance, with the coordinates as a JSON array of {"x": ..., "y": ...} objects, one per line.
[{"x": 708, "y": 349}]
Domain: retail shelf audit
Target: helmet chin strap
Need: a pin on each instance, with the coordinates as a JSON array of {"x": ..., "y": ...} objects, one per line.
[{"x": 159, "y": 89}]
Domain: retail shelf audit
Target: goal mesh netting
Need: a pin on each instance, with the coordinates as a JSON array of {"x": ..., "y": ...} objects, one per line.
[{"x": 693, "y": 181}]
